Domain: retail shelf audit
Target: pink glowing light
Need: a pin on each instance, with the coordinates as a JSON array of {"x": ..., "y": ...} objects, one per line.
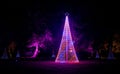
[
  {"x": 39, "y": 41},
  {"x": 36, "y": 50},
  {"x": 66, "y": 53}
]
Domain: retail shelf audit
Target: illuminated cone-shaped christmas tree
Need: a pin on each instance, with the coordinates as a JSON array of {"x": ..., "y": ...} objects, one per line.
[
  {"x": 4, "y": 56},
  {"x": 66, "y": 51}
]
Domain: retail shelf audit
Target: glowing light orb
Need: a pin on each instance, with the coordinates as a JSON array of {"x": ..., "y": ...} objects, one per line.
[{"x": 71, "y": 51}]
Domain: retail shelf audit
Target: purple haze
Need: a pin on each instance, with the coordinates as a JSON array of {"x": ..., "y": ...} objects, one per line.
[{"x": 40, "y": 41}]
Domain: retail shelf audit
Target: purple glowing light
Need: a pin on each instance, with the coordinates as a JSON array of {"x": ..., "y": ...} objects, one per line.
[
  {"x": 34, "y": 43},
  {"x": 40, "y": 42}
]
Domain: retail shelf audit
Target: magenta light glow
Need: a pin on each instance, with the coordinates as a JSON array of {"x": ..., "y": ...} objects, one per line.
[
  {"x": 40, "y": 42},
  {"x": 36, "y": 50},
  {"x": 67, "y": 53}
]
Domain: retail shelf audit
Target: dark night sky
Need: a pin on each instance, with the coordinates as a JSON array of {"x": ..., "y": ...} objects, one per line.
[{"x": 22, "y": 18}]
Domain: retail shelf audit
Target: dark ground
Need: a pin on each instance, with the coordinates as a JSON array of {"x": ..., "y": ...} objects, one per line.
[{"x": 50, "y": 67}]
